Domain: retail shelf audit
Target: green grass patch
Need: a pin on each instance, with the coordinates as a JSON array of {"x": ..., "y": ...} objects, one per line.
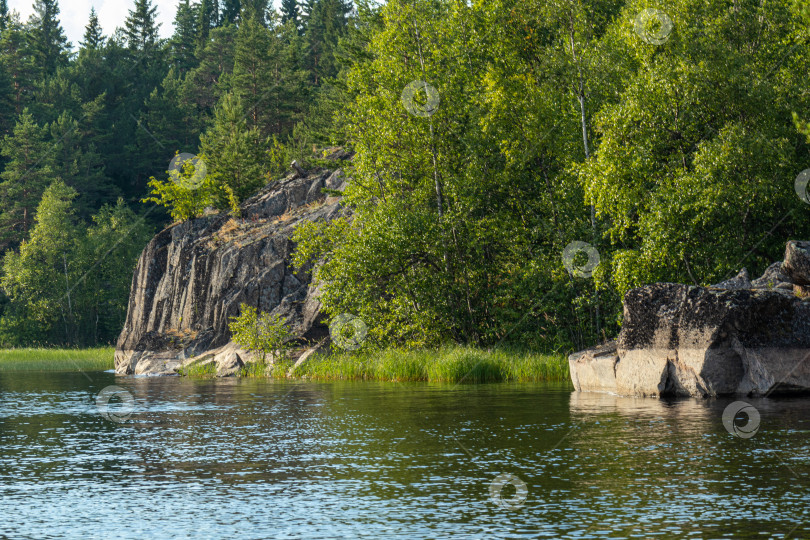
[
  {"x": 256, "y": 369},
  {"x": 201, "y": 370},
  {"x": 97, "y": 359},
  {"x": 449, "y": 364}
]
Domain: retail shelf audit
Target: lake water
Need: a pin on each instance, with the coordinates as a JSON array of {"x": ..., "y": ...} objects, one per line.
[{"x": 267, "y": 459}]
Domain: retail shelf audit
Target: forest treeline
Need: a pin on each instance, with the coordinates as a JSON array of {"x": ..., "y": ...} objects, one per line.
[
  {"x": 84, "y": 128},
  {"x": 489, "y": 138}
]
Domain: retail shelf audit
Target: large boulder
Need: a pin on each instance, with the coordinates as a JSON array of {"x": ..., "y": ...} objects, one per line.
[
  {"x": 193, "y": 276},
  {"x": 684, "y": 340},
  {"x": 797, "y": 262}
]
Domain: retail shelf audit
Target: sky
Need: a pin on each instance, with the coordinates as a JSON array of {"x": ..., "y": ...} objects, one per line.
[{"x": 111, "y": 14}]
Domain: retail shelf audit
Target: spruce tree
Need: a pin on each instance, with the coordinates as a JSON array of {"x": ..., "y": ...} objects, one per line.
[
  {"x": 93, "y": 36},
  {"x": 235, "y": 154},
  {"x": 289, "y": 11},
  {"x": 256, "y": 9},
  {"x": 4, "y": 14},
  {"x": 326, "y": 23},
  {"x": 204, "y": 10},
  {"x": 141, "y": 28},
  {"x": 80, "y": 166},
  {"x": 183, "y": 42},
  {"x": 48, "y": 42},
  {"x": 230, "y": 11}
]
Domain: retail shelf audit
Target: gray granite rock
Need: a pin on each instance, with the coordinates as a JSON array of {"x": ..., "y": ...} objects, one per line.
[
  {"x": 682, "y": 340},
  {"x": 193, "y": 276},
  {"x": 797, "y": 262}
]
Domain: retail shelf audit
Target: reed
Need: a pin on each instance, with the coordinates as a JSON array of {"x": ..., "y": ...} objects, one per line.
[{"x": 453, "y": 364}]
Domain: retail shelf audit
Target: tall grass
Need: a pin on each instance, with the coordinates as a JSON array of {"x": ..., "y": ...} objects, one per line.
[
  {"x": 207, "y": 370},
  {"x": 97, "y": 359},
  {"x": 449, "y": 364}
]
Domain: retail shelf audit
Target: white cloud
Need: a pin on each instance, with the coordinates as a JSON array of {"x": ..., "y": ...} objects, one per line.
[{"x": 111, "y": 14}]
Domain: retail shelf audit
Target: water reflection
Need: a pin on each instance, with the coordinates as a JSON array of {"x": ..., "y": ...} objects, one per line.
[{"x": 257, "y": 459}]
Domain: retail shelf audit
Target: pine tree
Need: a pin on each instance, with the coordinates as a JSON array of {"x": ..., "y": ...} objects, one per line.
[
  {"x": 48, "y": 42},
  {"x": 93, "y": 35},
  {"x": 183, "y": 42},
  {"x": 255, "y": 70},
  {"x": 28, "y": 172}
]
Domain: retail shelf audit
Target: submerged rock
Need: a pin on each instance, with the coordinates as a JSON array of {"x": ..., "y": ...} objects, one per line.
[
  {"x": 684, "y": 340},
  {"x": 192, "y": 277}
]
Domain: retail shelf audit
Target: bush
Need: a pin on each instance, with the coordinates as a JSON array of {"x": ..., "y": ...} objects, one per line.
[{"x": 260, "y": 332}]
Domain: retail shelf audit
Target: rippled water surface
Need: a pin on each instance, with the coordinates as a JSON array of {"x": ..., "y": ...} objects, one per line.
[{"x": 265, "y": 459}]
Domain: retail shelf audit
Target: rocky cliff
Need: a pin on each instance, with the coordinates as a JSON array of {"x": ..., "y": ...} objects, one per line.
[
  {"x": 192, "y": 277},
  {"x": 739, "y": 337}
]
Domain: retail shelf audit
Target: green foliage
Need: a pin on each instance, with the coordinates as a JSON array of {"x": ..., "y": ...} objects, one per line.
[
  {"x": 27, "y": 174},
  {"x": 184, "y": 194},
  {"x": 695, "y": 165},
  {"x": 64, "y": 279},
  {"x": 454, "y": 364},
  {"x": 556, "y": 122},
  {"x": 236, "y": 155},
  {"x": 30, "y": 278},
  {"x": 260, "y": 332},
  {"x": 686, "y": 151}
]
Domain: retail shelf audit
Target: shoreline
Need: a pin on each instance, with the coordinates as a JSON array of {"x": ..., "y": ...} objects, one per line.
[{"x": 450, "y": 364}]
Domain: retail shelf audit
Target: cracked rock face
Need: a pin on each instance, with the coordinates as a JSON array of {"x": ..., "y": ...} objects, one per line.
[
  {"x": 192, "y": 277},
  {"x": 682, "y": 340}
]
